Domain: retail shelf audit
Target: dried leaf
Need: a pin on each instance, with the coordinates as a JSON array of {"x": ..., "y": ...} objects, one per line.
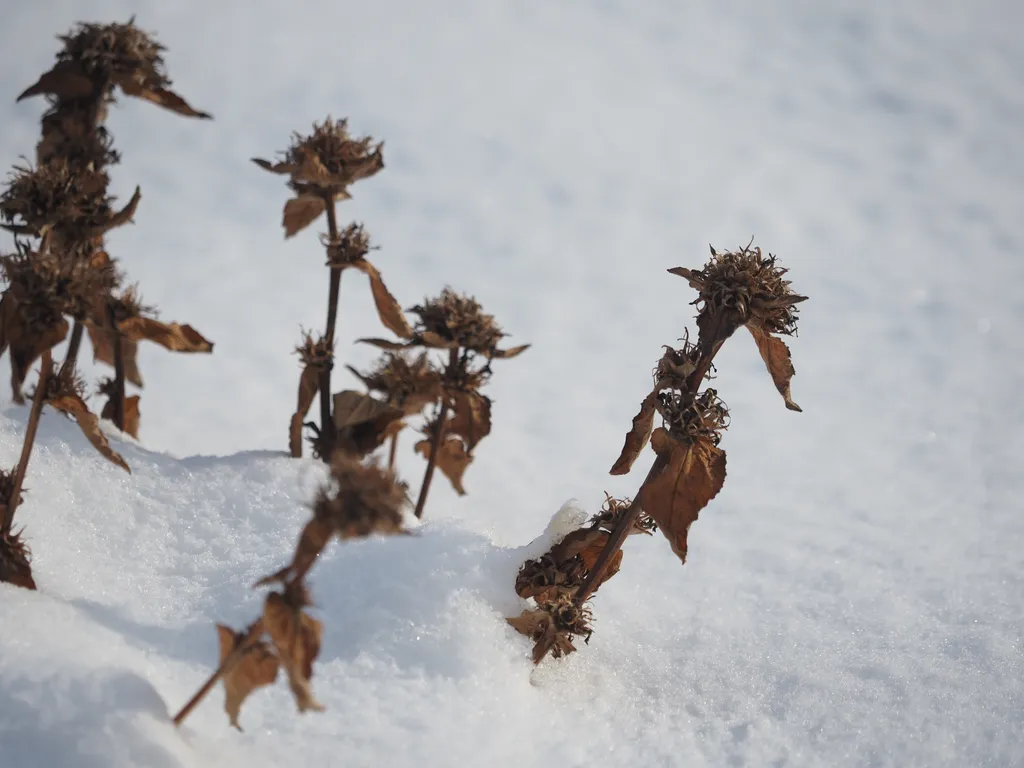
[
  {"x": 103, "y": 352},
  {"x": 73, "y": 405},
  {"x": 300, "y": 212},
  {"x": 437, "y": 341},
  {"x": 388, "y": 309},
  {"x": 314, "y": 537},
  {"x": 386, "y": 344},
  {"x": 65, "y": 81},
  {"x": 471, "y": 419},
  {"x": 638, "y": 436},
  {"x": 692, "y": 477},
  {"x": 362, "y": 422},
  {"x": 162, "y": 97},
  {"x": 126, "y": 214},
  {"x": 588, "y": 543},
  {"x": 508, "y": 354},
  {"x": 131, "y": 414},
  {"x": 279, "y": 168},
  {"x": 777, "y": 360},
  {"x": 26, "y": 344},
  {"x": 172, "y": 336},
  {"x": 258, "y": 667},
  {"x": 452, "y": 459},
  {"x": 296, "y": 637},
  {"x": 309, "y": 385}
]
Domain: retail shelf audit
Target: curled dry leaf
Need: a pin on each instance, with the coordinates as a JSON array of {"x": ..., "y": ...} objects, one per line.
[
  {"x": 638, "y": 436},
  {"x": 162, "y": 97},
  {"x": 172, "y": 336},
  {"x": 73, "y": 405},
  {"x": 362, "y": 422},
  {"x": 300, "y": 212},
  {"x": 296, "y": 637},
  {"x": 256, "y": 668},
  {"x": 28, "y": 336},
  {"x": 452, "y": 459},
  {"x": 777, "y": 359},
  {"x": 132, "y": 416},
  {"x": 471, "y": 418},
  {"x": 693, "y": 475},
  {"x": 388, "y": 309}
]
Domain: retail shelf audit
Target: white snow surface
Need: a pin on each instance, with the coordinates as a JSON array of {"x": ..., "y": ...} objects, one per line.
[{"x": 853, "y": 597}]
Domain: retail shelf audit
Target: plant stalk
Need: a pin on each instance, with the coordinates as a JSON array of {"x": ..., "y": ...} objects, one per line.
[
  {"x": 327, "y": 431},
  {"x": 392, "y": 452},
  {"x": 118, "y": 393},
  {"x": 435, "y": 446},
  {"x": 74, "y": 344},
  {"x": 621, "y": 530},
  {"x": 30, "y": 436},
  {"x": 225, "y": 666}
]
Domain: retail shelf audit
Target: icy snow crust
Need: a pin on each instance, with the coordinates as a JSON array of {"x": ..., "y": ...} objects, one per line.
[{"x": 851, "y": 598}]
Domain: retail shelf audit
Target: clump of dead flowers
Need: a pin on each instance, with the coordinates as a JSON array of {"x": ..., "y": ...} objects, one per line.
[
  {"x": 360, "y": 499},
  {"x": 742, "y": 288},
  {"x": 60, "y": 210},
  {"x": 456, "y": 323},
  {"x": 321, "y": 167}
]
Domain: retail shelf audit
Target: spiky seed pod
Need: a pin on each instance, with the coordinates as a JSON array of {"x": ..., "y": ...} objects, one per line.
[
  {"x": 32, "y": 288},
  {"x": 407, "y": 384},
  {"x": 352, "y": 245},
  {"x": 110, "y": 53},
  {"x": 331, "y": 156},
  {"x": 692, "y": 418},
  {"x": 313, "y": 352},
  {"x": 360, "y": 500},
  {"x": 459, "y": 320},
  {"x": 57, "y": 195}
]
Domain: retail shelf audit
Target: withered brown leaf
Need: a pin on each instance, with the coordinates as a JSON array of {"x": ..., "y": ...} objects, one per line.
[
  {"x": 452, "y": 459},
  {"x": 692, "y": 477},
  {"x": 103, "y": 352},
  {"x": 388, "y": 309},
  {"x": 132, "y": 416},
  {"x": 296, "y": 636},
  {"x": 89, "y": 423},
  {"x": 162, "y": 97},
  {"x": 172, "y": 336},
  {"x": 777, "y": 359},
  {"x": 309, "y": 385},
  {"x": 27, "y": 341},
  {"x": 471, "y": 418},
  {"x": 508, "y": 354},
  {"x": 66, "y": 81},
  {"x": 638, "y": 436},
  {"x": 362, "y": 422},
  {"x": 300, "y": 212},
  {"x": 257, "y": 668}
]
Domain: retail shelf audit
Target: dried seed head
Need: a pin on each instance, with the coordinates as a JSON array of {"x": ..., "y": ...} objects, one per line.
[
  {"x": 612, "y": 512},
  {"x": 107, "y": 53},
  {"x": 71, "y": 134},
  {"x": 129, "y": 305},
  {"x": 407, "y": 384},
  {"x": 65, "y": 383},
  {"x": 689, "y": 419},
  {"x": 33, "y": 289},
  {"x": 361, "y": 499},
  {"x": 677, "y": 365},
  {"x": 744, "y": 284},
  {"x": 545, "y": 577},
  {"x": 55, "y": 195},
  {"x": 571, "y": 619},
  {"x": 331, "y": 157},
  {"x": 458, "y": 319},
  {"x": 314, "y": 352},
  {"x": 15, "y": 560},
  {"x": 352, "y": 245}
]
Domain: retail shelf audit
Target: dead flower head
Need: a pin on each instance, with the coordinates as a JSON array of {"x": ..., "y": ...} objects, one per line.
[
  {"x": 553, "y": 626},
  {"x": 692, "y": 418},
  {"x": 360, "y": 499},
  {"x": 407, "y": 383},
  {"x": 96, "y": 58},
  {"x": 321, "y": 166},
  {"x": 352, "y": 245}
]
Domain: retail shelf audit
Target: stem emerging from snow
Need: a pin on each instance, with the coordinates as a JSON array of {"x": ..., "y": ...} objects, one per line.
[{"x": 30, "y": 437}]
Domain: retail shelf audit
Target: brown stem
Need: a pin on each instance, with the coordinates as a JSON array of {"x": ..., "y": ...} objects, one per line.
[
  {"x": 118, "y": 394},
  {"x": 392, "y": 452},
  {"x": 74, "y": 344},
  {"x": 226, "y": 666},
  {"x": 622, "y": 528},
  {"x": 30, "y": 437},
  {"x": 435, "y": 446},
  {"x": 327, "y": 431}
]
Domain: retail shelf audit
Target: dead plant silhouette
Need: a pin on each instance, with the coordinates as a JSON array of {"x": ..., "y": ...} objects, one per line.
[
  {"x": 320, "y": 169},
  {"x": 735, "y": 289}
]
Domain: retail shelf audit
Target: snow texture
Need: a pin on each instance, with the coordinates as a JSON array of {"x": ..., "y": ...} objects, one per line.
[{"x": 851, "y": 598}]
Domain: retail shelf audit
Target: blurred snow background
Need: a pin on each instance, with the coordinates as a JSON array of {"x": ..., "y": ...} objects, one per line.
[{"x": 853, "y": 597}]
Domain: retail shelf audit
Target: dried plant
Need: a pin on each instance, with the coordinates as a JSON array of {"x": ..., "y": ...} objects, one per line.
[
  {"x": 359, "y": 500},
  {"x": 320, "y": 168},
  {"x": 738, "y": 288},
  {"x": 458, "y": 324},
  {"x": 63, "y": 203}
]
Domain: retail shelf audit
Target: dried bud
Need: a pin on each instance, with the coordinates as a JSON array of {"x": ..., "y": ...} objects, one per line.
[
  {"x": 360, "y": 500},
  {"x": 352, "y": 245},
  {"x": 455, "y": 320},
  {"x": 407, "y": 384},
  {"x": 691, "y": 418}
]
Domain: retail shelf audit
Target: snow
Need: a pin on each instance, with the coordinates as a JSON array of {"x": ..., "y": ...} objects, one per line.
[{"x": 852, "y": 597}]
